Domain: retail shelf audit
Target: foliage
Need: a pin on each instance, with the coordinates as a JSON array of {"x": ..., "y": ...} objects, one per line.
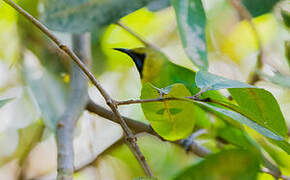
[
  {"x": 170, "y": 119},
  {"x": 68, "y": 15},
  {"x": 239, "y": 164},
  {"x": 191, "y": 21},
  {"x": 198, "y": 87},
  {"x": 255, "y": 7}
]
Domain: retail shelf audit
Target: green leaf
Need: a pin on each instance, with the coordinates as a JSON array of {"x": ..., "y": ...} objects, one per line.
[
  {"x": 237, "y": 137},
  {"x": 80, "y": 16},
  {"x": 170, "y": 119},
  {"x": 5, "y": 101},
  {"x": 191, "y": 20},
  {"x": 207, "y": 81},
  {"x": 242, "y": 119},
  {"x": 242, "y": 140},
  {"x": 260, "y": 106},
  {"x": 228, "y": 164},
  {"x": 259, "y": 7},
  {"x": 282, "y": 143},
  {"x": 277, "y": 78},
  {"x": 50, "y": 93}
]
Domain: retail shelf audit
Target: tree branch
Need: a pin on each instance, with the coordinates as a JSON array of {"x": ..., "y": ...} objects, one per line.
[
  {"x": 77, "y": 101},
  {"x": 137, "y": 126},
  {"x": 129, "y": 136},
  {"x": 140, "y": 127},
  {"x": 137, "y": 36},
  {"x": 275, "y": 175}
]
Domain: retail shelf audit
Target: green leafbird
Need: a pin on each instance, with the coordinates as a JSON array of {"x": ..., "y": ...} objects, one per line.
[
  {"x": 170, "y": 120},
  {"x": 155, "y": 67}
]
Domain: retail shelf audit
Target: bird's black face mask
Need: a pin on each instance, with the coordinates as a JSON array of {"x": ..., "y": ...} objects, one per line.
[{"x": 138, "y": 58}]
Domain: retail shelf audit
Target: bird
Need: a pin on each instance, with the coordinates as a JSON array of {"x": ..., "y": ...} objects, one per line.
[{"x": 156, "y": 68}]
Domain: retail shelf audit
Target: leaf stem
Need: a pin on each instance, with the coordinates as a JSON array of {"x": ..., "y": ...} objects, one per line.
[{"x": 129, "y": 136}]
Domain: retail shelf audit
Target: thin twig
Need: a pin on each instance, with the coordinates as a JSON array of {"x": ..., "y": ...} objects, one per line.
[
  {"x": 278, "y": 176},
  {"x": 137, "y": 36},
  {"x": 129, "y": 136},
  {"x": 160, "y": 99},
  {"x": 141, "y": 101},
  {"x": 245, "y": 14}
]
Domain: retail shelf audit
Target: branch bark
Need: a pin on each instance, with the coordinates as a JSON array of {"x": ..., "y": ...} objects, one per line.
[
  {"x": 140, "y": 127},
  {"x": 137, "y": 126},
  {"x": 129, "y": 136},
  {"x": 275, "y": 175},
  {"x": 76, "y": 104}
]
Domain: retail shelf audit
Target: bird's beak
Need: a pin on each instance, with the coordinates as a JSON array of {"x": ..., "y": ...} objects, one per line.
[
  {"x": 126, "y": 51},
  {"x": 137, "y": 58}
]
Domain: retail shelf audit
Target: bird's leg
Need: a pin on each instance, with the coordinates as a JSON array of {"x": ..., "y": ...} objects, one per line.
[{"x": 188, "y": 141}]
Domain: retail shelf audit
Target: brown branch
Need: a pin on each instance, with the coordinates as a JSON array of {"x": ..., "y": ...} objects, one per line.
[
  {"x": 140, "y": 127},
  {"x": 137, "y": 126},
  {"x": 129, "y": 136},
  {"x": 245, "y": 14}
]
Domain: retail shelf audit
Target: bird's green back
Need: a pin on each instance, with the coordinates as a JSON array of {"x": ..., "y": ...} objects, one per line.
[{"x": 159, "y": 71}]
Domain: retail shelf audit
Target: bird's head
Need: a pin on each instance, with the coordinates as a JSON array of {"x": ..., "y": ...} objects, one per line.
[{"x": 148, "y": 61}]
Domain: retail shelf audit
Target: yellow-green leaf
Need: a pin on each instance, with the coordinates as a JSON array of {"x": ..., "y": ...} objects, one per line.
[
  {"x": 170, "y": 119},
  {"x": 261, "y": 107}
]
